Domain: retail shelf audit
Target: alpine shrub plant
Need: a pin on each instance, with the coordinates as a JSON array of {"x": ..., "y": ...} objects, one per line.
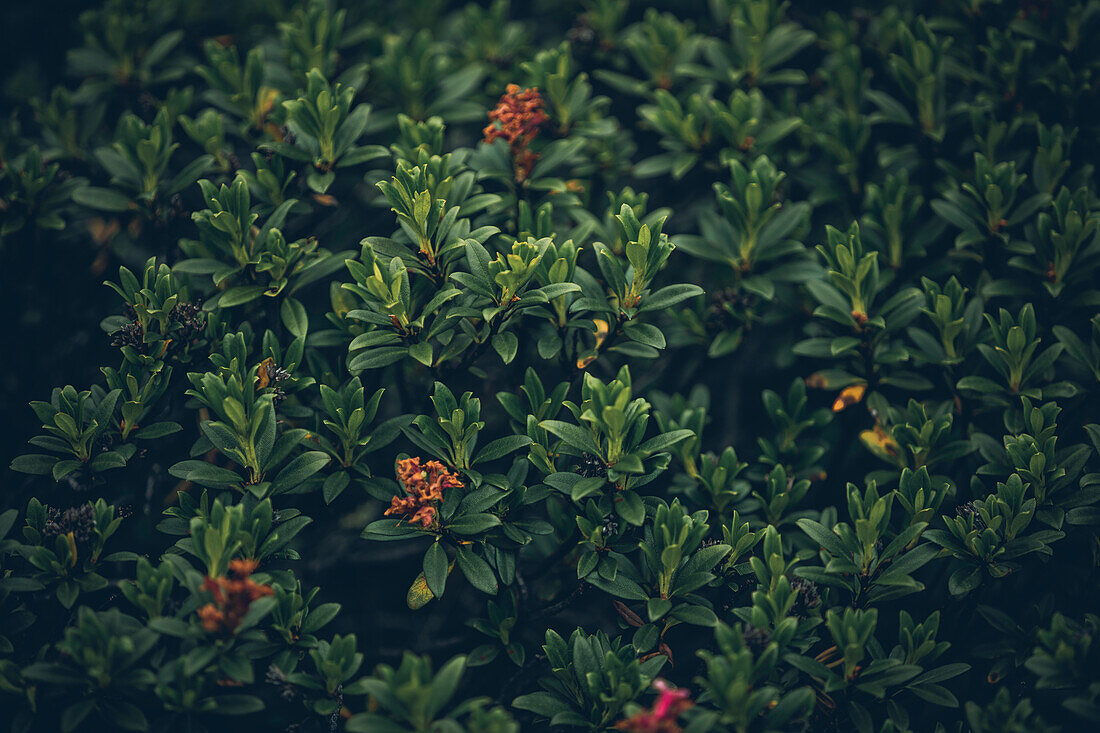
[{"x": 725, "y": 366}]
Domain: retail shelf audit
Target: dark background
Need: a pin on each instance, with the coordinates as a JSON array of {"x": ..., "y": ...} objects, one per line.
[{"x": 51, "y": 300}]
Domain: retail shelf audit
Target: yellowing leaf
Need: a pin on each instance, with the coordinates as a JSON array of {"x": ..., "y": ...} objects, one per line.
[
  {"x": 601, "y": 330},
  {"x": 879, "y": 442},
  {"x": 849, "y": 396},
  {"x": 419, "y": 595},
  {"x": 263, "y": 376}
]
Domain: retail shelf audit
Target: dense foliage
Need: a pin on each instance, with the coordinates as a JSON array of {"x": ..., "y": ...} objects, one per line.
[{"x": 730, "y": 366}]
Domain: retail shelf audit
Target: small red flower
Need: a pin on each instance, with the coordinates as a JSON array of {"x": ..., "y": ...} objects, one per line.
[
  {"x": 424, "y": 487},
  {"x": 233, "y": 595},
  {"x": 516, "y": 118},
  {"x": 671, "y": 703}
]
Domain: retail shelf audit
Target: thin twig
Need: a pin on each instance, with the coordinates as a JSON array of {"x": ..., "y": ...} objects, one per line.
[
  {"x": 554, "y": 558},
  {"x": 561, "y": 605}
]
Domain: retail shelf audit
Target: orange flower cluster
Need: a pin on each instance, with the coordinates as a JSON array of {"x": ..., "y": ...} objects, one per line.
[
  {"x": 233, "y": 595},
  {"x": 424, "y": 488},
  {"x": 671, "y": 703},
  {"x": 516, "y": 119}
]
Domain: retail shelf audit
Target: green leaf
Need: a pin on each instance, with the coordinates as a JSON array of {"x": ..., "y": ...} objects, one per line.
[
  {"x": 556, "y": 290},
  {"x": 629, "y": 506},
  {"x": 443, "y": 686},
  {"x": 204, "y": 474},
  {"x": 294, "y": 317},
  {"x": 422, "y": 352},
  {"x": 471, "y": 524},
  {"x": 964, "y": 580},
  {"x": 477, "y": 571},
  {"x": 103, "y": 199},
  {"x": 822, "y": 536},
  {"x": 669, "y": 296},
  {"x": 664, "y": 441},
  {"x": 61, "y": 469},
  {"x": 435, "y": 569},
  {"x": 696, "y": 615},
  {"x": 935, "y": 694},
  {"x": 506, "y": 344},
  {"x": 107, "y": 461},
  {"x": 1083, "y": 515},
  {"x": 240, "y": 295},
  {"x": 334, "y": 486},
  {"x": 298, "y": 470},
  {"x": 645, "y": 333},
  {"x": 575, "y": 436},
  {"x": 377, "y": 358},
  {"x": 237, "y": 705},
  {"x": 979, "y": 384},
  {"x": 501, "y": 447},
  {"x": 541, "y": 703},
  {"x": 629, "y": 463},
  {"x": 657, "y": 607},
  {"x": 67, "y": 592},
  {"x": 939, "y": 674},
  {"x": 586, "y": 486},
  {"x": 388, "y": 529},
  {"x": 34, "y": 463},
  {"x": 621, "y": 586},
  {"x": 319, "y": 617},
  {"x": 158, "y": 430}
]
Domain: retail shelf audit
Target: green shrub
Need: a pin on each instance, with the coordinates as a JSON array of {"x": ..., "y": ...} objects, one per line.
[{"x": 729, "y": 366}]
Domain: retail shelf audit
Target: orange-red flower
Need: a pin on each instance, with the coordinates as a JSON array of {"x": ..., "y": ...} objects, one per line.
[
  {"x": 518, "y": 113},
  {"x": 671, "y": 703},
  {"x": 424, "y": 487},
  {"x": 516, "y": 118},
  {"x": 233, "y": 595}
]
